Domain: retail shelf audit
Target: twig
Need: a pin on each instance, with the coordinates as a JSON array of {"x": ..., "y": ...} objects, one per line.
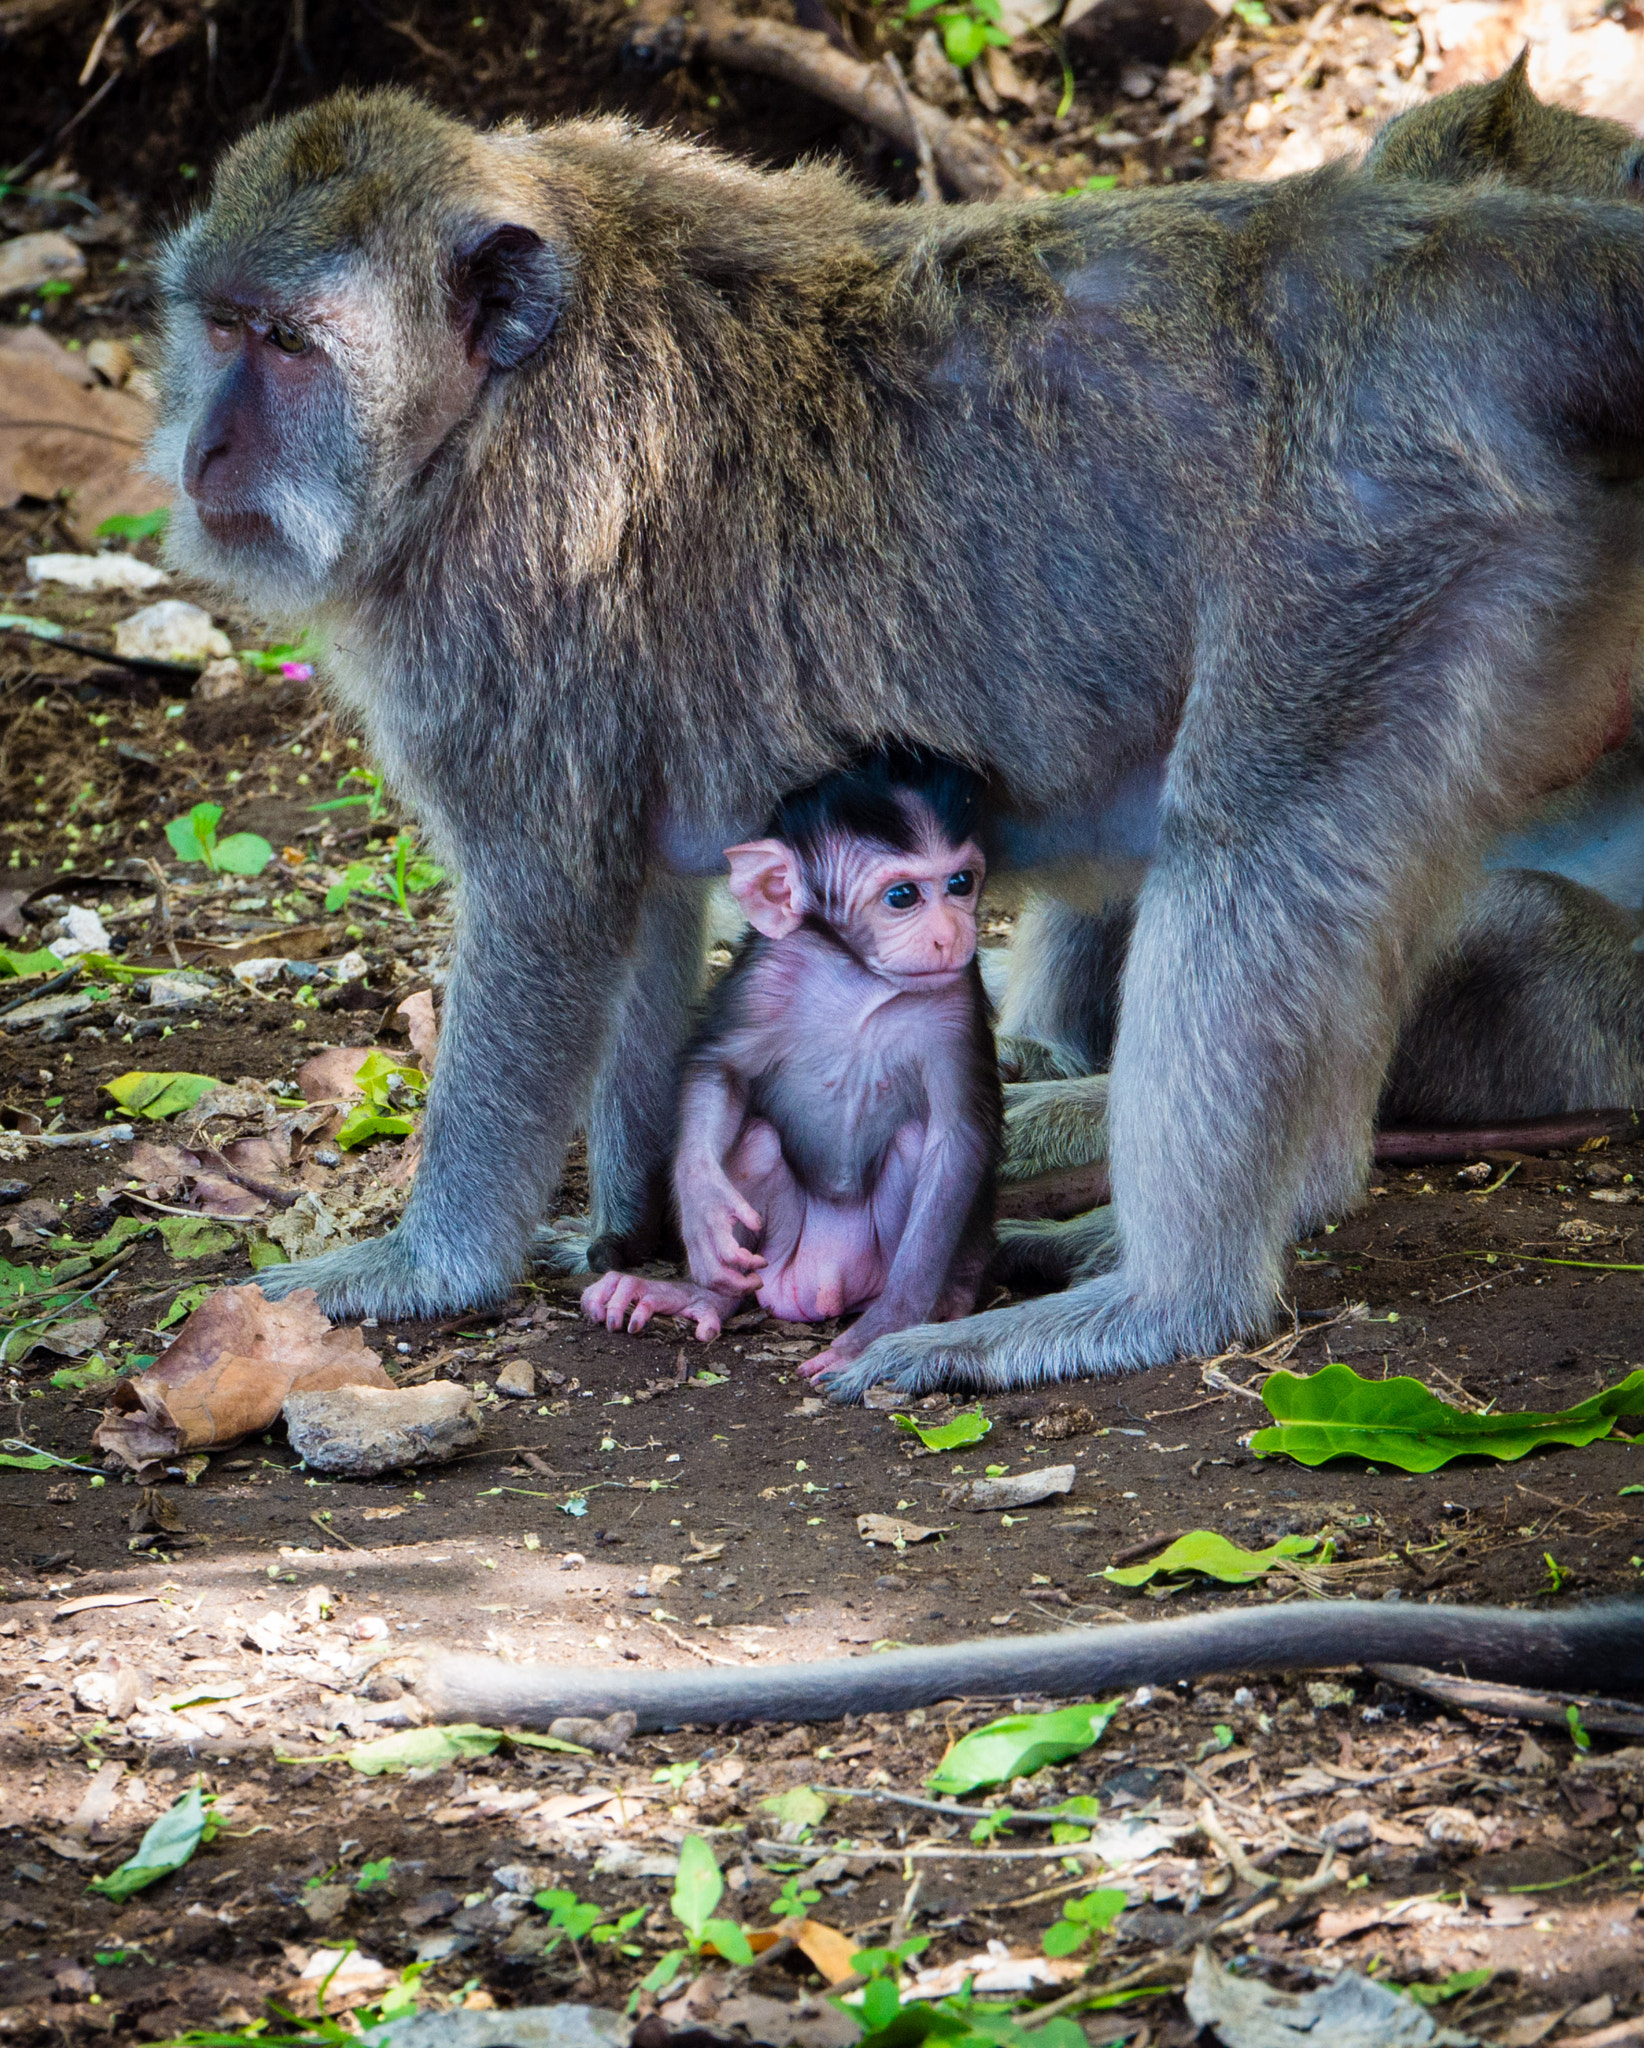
[
  {"x": 19, "y": 171},
  {"x": 1537, "y": 1134},
  {"x": 162, "y": 910},
  {"x": 1044, "y": 1818},
  {"x": 117, "y": 13},
  {"x": 685, "y": 1643},
  {"x": 317, "y": 1517},
  {"x": 1087, "y": 1991},
  {"x": 972, "y": 165},
  {"x": 930, "y": 192}
]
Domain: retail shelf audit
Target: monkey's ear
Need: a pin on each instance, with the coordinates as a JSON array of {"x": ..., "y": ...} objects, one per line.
[
  {"x": 765, "y": 882},
  {"x": 507, "y": 286}
]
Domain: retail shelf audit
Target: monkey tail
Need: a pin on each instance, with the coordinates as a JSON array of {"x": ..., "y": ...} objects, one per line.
[{"x": 1599, "y": 1647}]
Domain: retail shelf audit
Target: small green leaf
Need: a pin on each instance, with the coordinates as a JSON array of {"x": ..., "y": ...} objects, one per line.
[
  {"x": 881, "y": 2002},
  {"x": 23, "y": 965},
  {"x": 185, "y": 1303},
  {"x": 158, "y": 1095},
  {"x": 195, "y": 1237},
  {"x": 967, "y": 1428},
  {"x": 167, "y": 1846},
  {"x": 134, "y": 525},
  {"x": 1452, "y": 1987},
  {"x": 800, "y": 1805},
  {"x": 698, "y": 1886},
  {"x": 37, "y": 1462},
  {"x": 964, "y": 40},
  {"x": 421, "y": 1749},
  {"x": 663, "y": 1972},
  {"x": 1333, "y": 1414},
  {"x": 1062, "y": 1937},
  {"x": 1578, "y": 1732},
  {"x": 1019, "y": 1745},
  {"x": 373, "y": 1874},
  {"x": 264, "y": 1252},
  {"x": 730, "y": 1941},
  {"x": 363, "y": 1124},
  {"x": 1202, "y": 1550},
  {"x": 1098, "y": 1909},
  {"x": 243, "y": 853},
  {"x": 80, "y": 1379}
]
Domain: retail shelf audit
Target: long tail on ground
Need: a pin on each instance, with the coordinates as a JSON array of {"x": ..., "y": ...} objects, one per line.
[{"x": 1584, "y": 1649}]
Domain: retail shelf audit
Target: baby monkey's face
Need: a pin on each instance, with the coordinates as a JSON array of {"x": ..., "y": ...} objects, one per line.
[
  {"x": 912, "y": 917},
  {"x": 909, "y": 917}
]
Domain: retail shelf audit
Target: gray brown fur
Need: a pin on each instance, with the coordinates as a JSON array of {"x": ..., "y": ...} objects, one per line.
[
  {"x": 1583, "y": 1649},
  {"x": 1294, "y": 494}
]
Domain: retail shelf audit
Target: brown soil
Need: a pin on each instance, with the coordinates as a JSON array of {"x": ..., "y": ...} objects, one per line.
[{"x": 490, "y": 1551}]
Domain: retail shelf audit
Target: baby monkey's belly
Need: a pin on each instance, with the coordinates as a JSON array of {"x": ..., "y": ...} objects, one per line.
[{"x": 823, "y": 1256}]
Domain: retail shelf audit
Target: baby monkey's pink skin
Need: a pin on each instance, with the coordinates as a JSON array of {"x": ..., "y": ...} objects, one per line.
[{"x": 840, "y": 1113}]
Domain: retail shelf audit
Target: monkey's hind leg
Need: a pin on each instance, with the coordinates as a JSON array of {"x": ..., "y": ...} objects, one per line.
[{"x": 1037, "y": 1254}]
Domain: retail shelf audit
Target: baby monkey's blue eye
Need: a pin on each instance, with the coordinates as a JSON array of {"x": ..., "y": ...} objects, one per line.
[
  {"x": 962, "y": 884},
  {"x": 902, "y": 895}
]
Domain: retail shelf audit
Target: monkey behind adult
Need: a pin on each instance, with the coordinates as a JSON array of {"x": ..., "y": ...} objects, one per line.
[
  {"x": 839, "y": 1105},
  {"x": 632, "y": 487},
  {"x": 1537, "y": 1005}
]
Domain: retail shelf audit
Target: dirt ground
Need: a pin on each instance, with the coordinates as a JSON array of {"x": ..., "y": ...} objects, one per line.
[{"x": 702, "y": 1507}]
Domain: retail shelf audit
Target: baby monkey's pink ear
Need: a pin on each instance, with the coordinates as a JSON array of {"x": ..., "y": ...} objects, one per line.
[{"x": 765, "y": 882}]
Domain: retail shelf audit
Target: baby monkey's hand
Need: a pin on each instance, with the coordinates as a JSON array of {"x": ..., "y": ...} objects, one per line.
[{"x": 717, "y": 1256}]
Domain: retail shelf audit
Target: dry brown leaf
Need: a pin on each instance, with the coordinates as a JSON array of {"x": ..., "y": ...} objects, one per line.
[
  {"x": 892, "y": 1529},
  {"x": 423, "y": 1027},
  {"x": 61, "y": 431},
  {"x": 329, "y": 1078},
  {"x": 238, "y": 1358}
]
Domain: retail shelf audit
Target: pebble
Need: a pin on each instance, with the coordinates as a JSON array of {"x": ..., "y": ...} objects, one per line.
[
  {"x": 49, "y": 1009},
  {"x": 517, "y": 1378},
  {"x": 97, "y": 572},
  {"x": 171, "y": 631},
  {"x": 179, "y": 991}
]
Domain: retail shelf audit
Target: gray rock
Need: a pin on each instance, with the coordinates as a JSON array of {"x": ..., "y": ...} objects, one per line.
[
  {"x": 29, "y": 261},
  {"x": 1044, "y": 1482},
  {"x": 359, "y": 1432},
  {"x": 50, "y": 1009},
  {"x": 528, "y": 2026},
  {"x": 179, "y": 991}
]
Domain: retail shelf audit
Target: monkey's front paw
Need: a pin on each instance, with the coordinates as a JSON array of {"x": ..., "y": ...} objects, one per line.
[
  {"x": 393, "y": 1277},
  {"x": 918, "y": 1361},
  {"x": 562, "y": 1245}
]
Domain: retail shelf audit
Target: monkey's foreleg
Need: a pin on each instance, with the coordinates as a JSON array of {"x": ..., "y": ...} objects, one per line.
[{"x": 527, "y": 1012}]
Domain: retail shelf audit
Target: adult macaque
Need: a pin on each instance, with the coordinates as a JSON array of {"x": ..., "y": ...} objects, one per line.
[
  {"x": 1581, "y": 1649},
  {"x": 1273, "y": 537},
  {"x": 840, "y": 1110}
]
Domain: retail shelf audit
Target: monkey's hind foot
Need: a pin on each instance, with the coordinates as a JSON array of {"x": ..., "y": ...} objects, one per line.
[
  {"x": 1094, "y": 1331},
  {"x": 562, "y": 1245},
  {"x": 1031, "y": 1059},
  {"x": 1054, "y": 1254},
  {"x": 1054, "y": 1124}
]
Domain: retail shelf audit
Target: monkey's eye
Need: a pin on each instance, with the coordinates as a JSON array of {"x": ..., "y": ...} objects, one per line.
[
  {"x": 286, "y": 339},
  {"x": 902, "y": 896},
  {"x": 963, "y": 883}
]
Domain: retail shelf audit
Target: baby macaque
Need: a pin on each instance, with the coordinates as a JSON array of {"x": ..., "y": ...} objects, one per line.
[{"x": 840, "y": 1116}]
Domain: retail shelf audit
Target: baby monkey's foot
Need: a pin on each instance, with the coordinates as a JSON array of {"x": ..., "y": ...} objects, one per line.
[{"x": 629, "y": 1300}]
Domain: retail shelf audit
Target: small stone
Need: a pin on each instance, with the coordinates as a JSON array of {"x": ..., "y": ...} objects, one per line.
[
  {"x": 1616, "y": 1196},
  {"x": 351, "y": 967},
  {"x": 1453, "y": 1827},
  {"x": 50, "y": 1009},
  {"x": 221, "y": 678},
  {"x": 29, "y": 261},
  {"x": 517, "y": 1378},
  {"x": 1352, "y": 1831},
  {"x": 179, "y": 991},
  {"x": 1136, "y": 81},
  {"x": 359, "y": 1432},
  {"x": 97, "y": 572},
  {"x": 607, "y": 1736},
  {"x": 1329, "y": 1692},
  {"x": 326, "y": 1903},
  {"x": 83, "y": 932},
  {"x": 171, "y": 631}
]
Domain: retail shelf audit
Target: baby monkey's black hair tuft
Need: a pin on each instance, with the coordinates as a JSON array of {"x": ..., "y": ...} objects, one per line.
[{"x": 867, "y": 801}]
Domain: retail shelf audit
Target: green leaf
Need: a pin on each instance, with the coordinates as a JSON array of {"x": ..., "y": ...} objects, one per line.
[
  {"x": 243, "y": 853},
  {"x": 1098, "y": 1909},
  {"x": 730, "y": 1941},
  {"x": 166, "y": 1847},
  {"x": 663, "y": 1972},
  {"x": 121, "y": 1231},
  {"x": 186, "y": 1303},
  {"x": 1202, "y": 1550},
  {"x": 1452, "y": 1987},
  {"x": 264, "y": 1252},
  {"x": 881, "y": 2002},
  {"x": 698, "y": 1887},
  {"x": 421, "y": 1749},
  {"x": 964, "y": 40},
  {"x": 372, "y": 1874},
  {"x": 195, "y": 1237},
  {"x": 363, "y": 1124},
  {"x": 26, "y": 964},
  {"x": 1019, "y": 1745},
  {"x": 39, "y": 1462},
  {"x": 1062, "y": 1937},
  {"x": 1578, "y": 1731},
  {"x": 79, "y": 1379},
  {"x": 158, "y": 1095},
  {"x": 1398, "y": 1422},
  {"x": 193, "y": 837},
  {"x": 801, "y": 1805},
  {"x": 134, "y": 525},
  {"x": 968, "y": 1428}
]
